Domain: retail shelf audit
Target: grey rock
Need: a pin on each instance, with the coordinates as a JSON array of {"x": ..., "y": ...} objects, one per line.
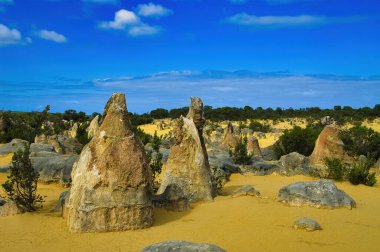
[
  {"x": 63, "y": 199},
  {"x": 261, "y": 167},
  {"x": 39, "y": 147},
  {"x": 173, "y": 198},
  {"x": 12, "y": 146},
  {"x": 246, "y": 190},
  {"x": 293, "y": 164},
  {"x": 326, "y": 120},
  {"x": 182, "y": 246},
  {"x": 307, "y": 224},
  {"x": 56, "y": 168},
  {"x": 9, "y": 208},
  {"x": 4, "y": 168},
  {"x": 320, "y": 194}
]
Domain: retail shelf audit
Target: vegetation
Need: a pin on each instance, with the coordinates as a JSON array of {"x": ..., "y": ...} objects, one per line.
[
  {"x": 239, "y": 154},
  {"x": 82, "y": 135},
  {"x": 299, "y": 140},
  {"x": 361, "y": 140},
  {"x": 336, "y": 169},
  {"x": 155, "y": 157},
  {"x": 359, "y": 173},
  {"x": 259, "y": 127},
  {"x": 21, "y": 186}
]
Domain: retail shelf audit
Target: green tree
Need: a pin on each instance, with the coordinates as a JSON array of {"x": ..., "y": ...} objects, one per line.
[
  {"x": 359, "y": 173},
  {"x": 240, "y": 154},
  {"x": 21, "y": 186},
  {"x": 336, "y": 168}
]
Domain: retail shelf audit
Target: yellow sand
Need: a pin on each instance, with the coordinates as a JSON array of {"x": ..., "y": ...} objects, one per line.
[
  {"x": 236, "y": 224},
  {"x": 6, "y": 159}
]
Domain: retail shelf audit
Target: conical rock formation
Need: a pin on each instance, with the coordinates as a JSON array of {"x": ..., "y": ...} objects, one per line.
[
  {"x": 111, "y": 188},
  {"x": 230, "y": 140},
  {"x": 187, "y": 167},
  {"x": 253, "y": 147}
]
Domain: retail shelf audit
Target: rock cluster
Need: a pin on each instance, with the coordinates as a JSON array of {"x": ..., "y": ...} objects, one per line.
[
  {"x": 187, "y": 166},
  {"x": 111, "y": 181},
  {"x": 182, "y": 246},
  {"x": 230, "y": 140}
]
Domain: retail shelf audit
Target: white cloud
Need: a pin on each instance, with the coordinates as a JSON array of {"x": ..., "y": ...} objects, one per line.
[
  {"x": 52, "y": 35},
  {"x": 245, "y": 19},
  {"x": 123, "y": 18},
  {"x": 9, "y": 36},
  {"x": 153, "y": 10},
  {"x": 129, "y": 21}
]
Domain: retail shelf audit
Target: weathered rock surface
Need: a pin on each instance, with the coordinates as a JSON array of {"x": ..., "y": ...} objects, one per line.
[
  {"x": 253, "y": 147},
  {"x": 294, "y": 164},
  {"x": 62, "y": 144},
  {"x": 182, "y": 246},
  {"x": 261, "y": 167},
  {"x": 93, "y": 127},
  {"x": 187, "y": 165},
  {"x": 38, "y": 147},
  {"x": 12, "y": 146},
  {"x": 173, "y": 198},
  {"x": 111, "y": 181},
  {"x": 320, "y": 194},
  {"x": 230, "y": 140},
  {"x": 307, "y": 224},
  {"x": 8, "y": 208},
  {"x": 328, "y": 145},
  {"x": 62, "y": 201},
  {"x": 246, "y": 190},
  {"x": 54, "y": 168}
]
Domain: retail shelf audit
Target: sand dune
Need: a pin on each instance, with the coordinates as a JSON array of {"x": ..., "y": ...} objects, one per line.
[{"x": 236, "y": 224}]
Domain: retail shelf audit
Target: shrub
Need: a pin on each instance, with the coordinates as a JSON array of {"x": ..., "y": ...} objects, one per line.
[
  {"x": 21, "y": 186},
  {"x": 336, "y": 169},
  {"x": 257, "y": 126},
  {"x": 360, "y": 140},
  {"x": 359, "y": 173},
  {"x": 240, "y": 155},
  {"x": 298, "y": 140}
]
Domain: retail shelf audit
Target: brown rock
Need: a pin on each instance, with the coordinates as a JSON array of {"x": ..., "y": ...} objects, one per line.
[
  {"x": 111, "y": 181},
  {"x": 187, "y": 166},
  {"x": 328, "y": 145},
  {"x": 230, "y": 140},
  {"x": 253, "y": 147},
  {"x": 8, "y": 208},
  {"x": 93, "y": 127}
]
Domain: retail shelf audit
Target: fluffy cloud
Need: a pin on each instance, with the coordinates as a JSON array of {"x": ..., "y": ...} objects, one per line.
[
  {"x": 123, "y": 19},
  {"x": 52, "y": 36},
  {"x": 9, "y": 36},
  {"x": 129, "y": 21},
  {"x": 153, "y": 10}
]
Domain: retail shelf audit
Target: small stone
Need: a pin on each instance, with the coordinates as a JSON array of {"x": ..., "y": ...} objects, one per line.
[
  {"x": 246, "y": 190},
  {"x": 307, "y": 224}
]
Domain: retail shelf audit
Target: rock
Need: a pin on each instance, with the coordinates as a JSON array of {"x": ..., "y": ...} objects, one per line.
[
  {"x": 62, "y": 201},
  {"x": 246, "y": 190},
  {"x": 246, "y": 132},
  {"x": 111, "y": 181},
  {"x": 12, "y": 146},
  {"x": 72, "y": 132},
  {"x": 182, "y": 246},
  {"x": 230, "y": 140},
  {"x": 328, "y": 145},
  {"x": 293, "y": 164},
  {"x": 261, "y": 167},
  {"x": 52, "y": 140},
  {"x": 172, "y": 199},
  {"x": 38, "y": 147},
  {"x": 253, "y": 147},
  {"x": 187, "y": 165},
  {"x": 377, "y": 166},
  {"x": 54, "y": 168},
  {"x": 62, "y": 144},
  {"x": 8, "y": 208},
  {"x": 269, "y": 153},
  {"x": 4, "y": 168},
  {"x": 326, "y": 120},
  {"x": 306, "y": 224},
  {"x": 260, "y": 134},
  {"x": 93, "y": 127},
  {"x": 320, "y": 194}
]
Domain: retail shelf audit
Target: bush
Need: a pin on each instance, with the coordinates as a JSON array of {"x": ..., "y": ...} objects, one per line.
[
  {"x": 359, "y": 173},
  {"x": 240, "y": 155},
  {"x": 21, "y": 186},
  {"x": 360, "y": 140},
  {"x": 257, "y": 126},
  {"x": 298, "y": 140},
  {"x": 336, "y": 169}
]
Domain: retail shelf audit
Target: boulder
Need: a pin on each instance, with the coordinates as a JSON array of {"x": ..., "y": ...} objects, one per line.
[
  {"x": 62, "y": 201},
  {"x": 54, "y": 167},
  {"x": 307, "y": 224},
  {"x": 182, "y": 246},
  {"x": 293, "y": 164},
  {"x": 328, "y": 145},
  {"x": 93, "y": 127},
  {"x": 230, "y": 140},
  {"x": 111, "y": 181},
  {"x": 253, "y": 147},
  {"x": 172, "y": 199},
  {"x": 326, "y": 120},
  {"x": 246, "y": 190},
  {"x": 62, "y": 144},
  {"x": 12, "y": 146},
  {"x": 39, "y": 147},
  {"x": 320, "y": 194},
  {"x": 260, "y": 167},
  {"x": 187, "y": 166},
  {"x": 8, "y": 208}
]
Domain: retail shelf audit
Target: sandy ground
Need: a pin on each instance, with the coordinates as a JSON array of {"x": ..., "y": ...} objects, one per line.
[{"x": 236, "y": 224}]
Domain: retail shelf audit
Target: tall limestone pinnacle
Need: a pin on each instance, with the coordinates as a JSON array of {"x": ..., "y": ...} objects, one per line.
[
  {"x": 187, "y": 167},
  {"x": 111, "y": 181}
]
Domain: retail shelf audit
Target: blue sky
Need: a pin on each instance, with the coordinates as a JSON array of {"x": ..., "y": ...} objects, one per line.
[{"x": 268, "y": 53}]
